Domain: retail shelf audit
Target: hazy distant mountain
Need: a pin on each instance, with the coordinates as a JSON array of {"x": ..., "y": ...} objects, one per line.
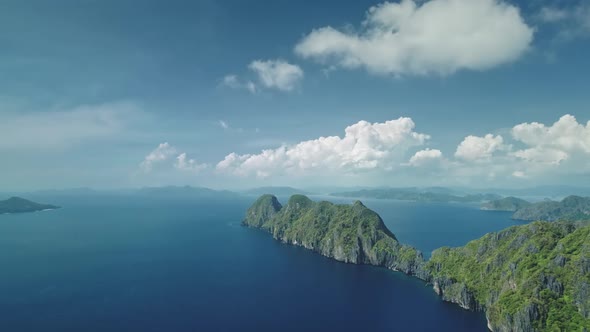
[
  {"x": 505, "y": 204},
  {"x": 416, "y": 194},
  {"x": 277, "y": 191},
  {"x": 20, "y": 205},
  {"x": 571, "y": 208},
  {"x": 541, "y": 191},
  {"x": 185, "y": 192}
]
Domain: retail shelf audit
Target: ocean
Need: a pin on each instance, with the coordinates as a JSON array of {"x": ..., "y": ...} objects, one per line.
[{"x": 124, "y": 263}]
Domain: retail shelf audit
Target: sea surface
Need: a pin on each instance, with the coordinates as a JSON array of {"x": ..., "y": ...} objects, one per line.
[{"x": 130, "y": 264}]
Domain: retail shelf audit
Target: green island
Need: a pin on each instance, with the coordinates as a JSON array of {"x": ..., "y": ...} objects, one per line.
[
  {"x": 511, "y": 204},
  {"x": 347, "y": 233},
  {"x": 571, "y": 208},
  {"x": 534, "y": 277},
  {"x": 21, "y": 205}
]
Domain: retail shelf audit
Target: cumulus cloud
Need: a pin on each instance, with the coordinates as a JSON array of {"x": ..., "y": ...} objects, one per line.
[
  {"x": 162, "y": 153},
  {"x": 365, "y": 146},
  {"x": 552, "y": 144},
  {"x": 419, "y": 38},
  {"x": 475, "y": 148},
  {"x": 185, "y": 164},
  {"x": 277, "y": 74},
  {"x": 425, "y": 157}
]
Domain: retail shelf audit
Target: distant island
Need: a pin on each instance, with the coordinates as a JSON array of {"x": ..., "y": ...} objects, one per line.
[
  {"x": 183, "y": 192},
  {"x": 534, "y": 277},
  {"x": 505, "y": 204},
  {"x": 413, "y": 194},
  {"x": 21, "y": 205},
  {"x": 347, "y": 233},
  {"x": 571, "y": 208},
  {"x": 280, "y": 191}
]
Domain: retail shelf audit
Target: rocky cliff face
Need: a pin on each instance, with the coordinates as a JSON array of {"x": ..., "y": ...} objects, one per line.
[
  {"x": 347, "y": 233},
  {"x": 528, "y": 278},
  {"x": 525, "y": 278}
]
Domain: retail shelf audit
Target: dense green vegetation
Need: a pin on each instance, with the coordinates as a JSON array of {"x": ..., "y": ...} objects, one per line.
[
  {"x": 534, "y": 277},
  {"x": 348, "y": 233},
  {"x": 20, "y": 205},
  {"x": 571, "y": 208},
  {"x": 505, "y": 204},
  {"x": 412, "y": 194}
]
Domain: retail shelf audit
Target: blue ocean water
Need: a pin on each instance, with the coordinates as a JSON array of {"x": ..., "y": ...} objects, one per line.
[{"x": 128, "y": 264}]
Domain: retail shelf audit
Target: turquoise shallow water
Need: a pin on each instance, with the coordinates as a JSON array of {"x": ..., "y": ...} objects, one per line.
[{"x": 129, "y": 264}]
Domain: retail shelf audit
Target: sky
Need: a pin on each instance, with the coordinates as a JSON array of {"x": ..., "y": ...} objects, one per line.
[{"x": 236, "y": 94}]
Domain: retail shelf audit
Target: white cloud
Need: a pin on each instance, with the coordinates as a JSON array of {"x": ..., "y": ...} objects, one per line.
[
  {"x": 519, "y": 174},
  {"x": 365, "y": 146},
  {"x": 475, "y": 148},
  {"x": 60, "y": 129},
  {"x": 550, "y": 15},
  {"x": 553, "y": 144},
  {"x": 162, "y": 153},
  {"x": 425, "y": 157},
  {"x": 223, "y": 124},
  {"x": 573, "y": 21},
  {"x": 277, "y": 74},
  {"x": 436, "y": 36},
  {"x": 182, "y": 163},
  {"x": 232, "y": 81}
]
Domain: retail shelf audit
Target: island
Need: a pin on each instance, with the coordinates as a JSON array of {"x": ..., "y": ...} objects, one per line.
[
  {"x": 415, "y": 194},
  {"x": 534, "y": 277},
  {"x": 571, "y": 208},
  {"x": 21, "y": 205},
  {"x": 510, "y": 204},
  {"x": 347, "y": 233}
]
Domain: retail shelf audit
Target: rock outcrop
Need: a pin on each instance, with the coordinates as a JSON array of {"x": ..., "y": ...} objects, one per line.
[
  {"x": 529, "y": 278},
  {"x": 525, "y": 278},
  {"x": 347, "y": 233}
]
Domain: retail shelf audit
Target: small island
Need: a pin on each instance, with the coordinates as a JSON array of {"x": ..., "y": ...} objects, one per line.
[
  {"x": 347, "y": 233},
  {"x": 510, "y": 204},
  {"x": 21, "y": 205}
]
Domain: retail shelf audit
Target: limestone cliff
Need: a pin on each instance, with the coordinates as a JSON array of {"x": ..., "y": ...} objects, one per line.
[{"x": 347, "y": 233}]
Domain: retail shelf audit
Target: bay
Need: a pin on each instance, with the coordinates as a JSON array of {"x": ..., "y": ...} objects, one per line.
[{"x": 129, "y": 264}]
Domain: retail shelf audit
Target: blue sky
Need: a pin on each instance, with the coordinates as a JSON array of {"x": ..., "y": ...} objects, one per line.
[{"x": 112, "y": 94}]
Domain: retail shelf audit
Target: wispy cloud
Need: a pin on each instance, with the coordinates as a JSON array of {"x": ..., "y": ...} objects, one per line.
[
  {"x": 277, "y": 74},
  {"x": 572, "y": 21},
  {"x": 270, "y": 74},
  {"x": 163, "y": 152},
  {"x": 60, "y": 129},
  {"x": 232, "y": 81},
  {"x": 185, "y": 164}
]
